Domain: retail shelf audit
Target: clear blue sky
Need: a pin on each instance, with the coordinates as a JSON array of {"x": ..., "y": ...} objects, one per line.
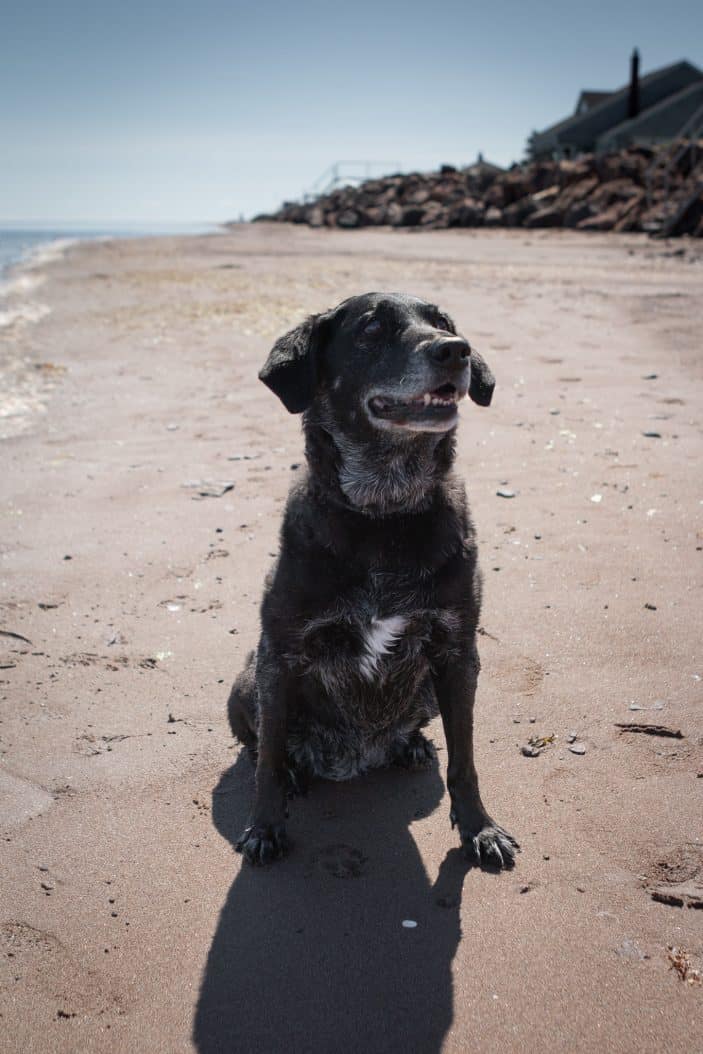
[{"x": 199, "y": 111}]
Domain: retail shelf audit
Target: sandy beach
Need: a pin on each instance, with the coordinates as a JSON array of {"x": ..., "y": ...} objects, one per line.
[{"x": 143, "y": 481}]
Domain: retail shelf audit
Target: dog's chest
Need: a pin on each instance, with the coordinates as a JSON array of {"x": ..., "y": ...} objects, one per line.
[
  {"x": 379, "y": 637},
  {"x": 375, "y": 641},
  {"x": 367, "y": 659}
]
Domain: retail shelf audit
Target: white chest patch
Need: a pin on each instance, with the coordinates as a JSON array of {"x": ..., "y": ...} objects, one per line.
[{"x": 379, "y": 638}]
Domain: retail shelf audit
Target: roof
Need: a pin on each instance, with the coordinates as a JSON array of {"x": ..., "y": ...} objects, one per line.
[
  {"x": 608, "y": 98},
  {"x": 667, "y": 117},
  {"x": 591, "y": 98}
]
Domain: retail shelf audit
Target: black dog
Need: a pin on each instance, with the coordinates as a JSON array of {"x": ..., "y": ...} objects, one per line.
[{"x": 370, "y": 614}]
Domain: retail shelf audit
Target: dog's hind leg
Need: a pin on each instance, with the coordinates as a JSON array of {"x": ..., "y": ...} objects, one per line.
[
  {"x": 242, "y": 707},
  {"x": 413, "y": 752}
]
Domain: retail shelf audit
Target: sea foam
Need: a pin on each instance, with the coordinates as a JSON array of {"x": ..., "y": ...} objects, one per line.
[{"x": 24, "y": 383}]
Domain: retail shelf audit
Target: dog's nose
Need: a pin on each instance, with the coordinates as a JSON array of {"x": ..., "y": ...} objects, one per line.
[{"x": 452, "y": 352}]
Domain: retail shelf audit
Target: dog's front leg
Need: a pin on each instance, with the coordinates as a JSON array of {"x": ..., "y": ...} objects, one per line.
[
  {"x": 483, "y": 841},
  {"x": 264, "y": 839}
]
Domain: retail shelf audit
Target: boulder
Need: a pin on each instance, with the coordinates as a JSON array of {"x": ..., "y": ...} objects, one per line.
[
  {"x": 608, "y": 218},
  {"x": 633, "y": 189},
  {"x": 545, "y": 217},
  {"x": 394, "y": 214},
  {"x": 465, "y": 213},
  {"x": 493, "y": 217},
  {"x": 581, "y": 210},
  {"x": 546, "y": 197},
  {"x": 575, "y": 171},
  {"x": 412, "y": 216},
  {"x": 435, "y": 215},
  {"x": 348, "y": 218},
  {"x": 516, "y": 214},
  {"x": 576, "y": 192}
]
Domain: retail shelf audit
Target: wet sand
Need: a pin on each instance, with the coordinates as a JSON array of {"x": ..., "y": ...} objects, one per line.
[{"x": 127, "y": 921}]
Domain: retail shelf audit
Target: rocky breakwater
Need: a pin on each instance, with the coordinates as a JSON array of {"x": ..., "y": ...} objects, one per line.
[{"x": 637, "y": 189}]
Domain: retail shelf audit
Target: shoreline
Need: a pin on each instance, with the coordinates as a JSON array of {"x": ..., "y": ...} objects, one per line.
[
  {"x": 128, "y": 921},
  {"x": 25, "y": 384}
]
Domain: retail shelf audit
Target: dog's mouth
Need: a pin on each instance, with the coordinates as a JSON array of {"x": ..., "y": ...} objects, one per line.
[{"x": 431, "y": 411}]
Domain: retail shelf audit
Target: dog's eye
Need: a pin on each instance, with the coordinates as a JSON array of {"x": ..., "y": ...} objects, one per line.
[
  {"x": 372, "y": 328},
  {"x": 443, "y": 323}
]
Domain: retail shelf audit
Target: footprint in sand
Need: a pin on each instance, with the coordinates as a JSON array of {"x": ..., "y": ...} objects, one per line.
[
  {"x": 342, "y": 861},
  {"x": 676, "y": 877},
  {"x": 517, "y": 673},
  {"x": 45, "y": 965}
]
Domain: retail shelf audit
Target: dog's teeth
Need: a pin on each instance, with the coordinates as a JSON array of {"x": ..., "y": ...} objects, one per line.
[{"x": 427, "y": 399}]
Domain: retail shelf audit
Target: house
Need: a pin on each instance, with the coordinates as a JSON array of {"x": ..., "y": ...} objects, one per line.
[{"x": 651, "y": 110}]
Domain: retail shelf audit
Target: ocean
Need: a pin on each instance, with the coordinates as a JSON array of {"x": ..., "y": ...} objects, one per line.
[
  {"x": 25, "y": 384},
  {"x": 18, "y": 245}
]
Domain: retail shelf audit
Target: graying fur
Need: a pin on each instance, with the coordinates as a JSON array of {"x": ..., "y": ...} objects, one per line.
[{"x": 399, "y": 473}]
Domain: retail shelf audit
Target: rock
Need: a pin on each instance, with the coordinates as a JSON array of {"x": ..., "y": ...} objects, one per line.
[
  {"x": 530, "y": 752},
  {"x": 546, "y": 197},
  {"x": 576, "y": 171},
  {"x": 418, "y": 197},
  {"x": 516, "y": 214},
  {"x": 376, "y": 215},
  {"x": 412, "y": 217},
  {"x": 576, "y": 192},
  {"x": 434, "y": 215},
  {"x": 582, "y": 210},
  {"x": 624, "y": 191},
  {"x": 577, "y": 747},
  {"x": 603, "y": 220},
  {"x": 465, "y": 213},
  {"x": 493, "y": 217},
  {"x": 349, "y": 218},
  {"x": 516, "y": 186},
  {"x": 394, "y": 214},
  {"x": 547, "y": 217}
]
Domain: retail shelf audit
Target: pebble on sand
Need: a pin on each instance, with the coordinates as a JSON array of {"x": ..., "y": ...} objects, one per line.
[{"x": 530, "y": 751}]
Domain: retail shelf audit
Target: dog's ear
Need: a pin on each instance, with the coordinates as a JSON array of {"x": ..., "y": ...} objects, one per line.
[
  {"x": 482, "y": 380},
  {"x": 290, "y": 371}
]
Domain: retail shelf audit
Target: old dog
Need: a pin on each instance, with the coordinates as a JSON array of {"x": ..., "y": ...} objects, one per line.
[{"x": 370, "y": 614}]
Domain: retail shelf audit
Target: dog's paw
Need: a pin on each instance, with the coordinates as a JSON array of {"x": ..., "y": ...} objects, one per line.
[
  {"x": 263, "y": 843},
  {"x": 415, "y": 753},
  {"x": 486, "y": 844}
]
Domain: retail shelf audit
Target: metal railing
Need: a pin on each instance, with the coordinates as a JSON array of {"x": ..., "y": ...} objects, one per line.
[{"x": 342, "y": 173}]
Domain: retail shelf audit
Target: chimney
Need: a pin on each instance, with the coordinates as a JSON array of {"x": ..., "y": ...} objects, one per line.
[{"x": 633, "y": 101}]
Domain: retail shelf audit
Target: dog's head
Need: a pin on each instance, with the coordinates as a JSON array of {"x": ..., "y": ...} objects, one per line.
[{"x": 385, "y": 361}]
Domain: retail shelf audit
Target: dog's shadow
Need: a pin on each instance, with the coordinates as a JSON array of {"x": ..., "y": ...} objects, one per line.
[{"x": 312, "y": 954}]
